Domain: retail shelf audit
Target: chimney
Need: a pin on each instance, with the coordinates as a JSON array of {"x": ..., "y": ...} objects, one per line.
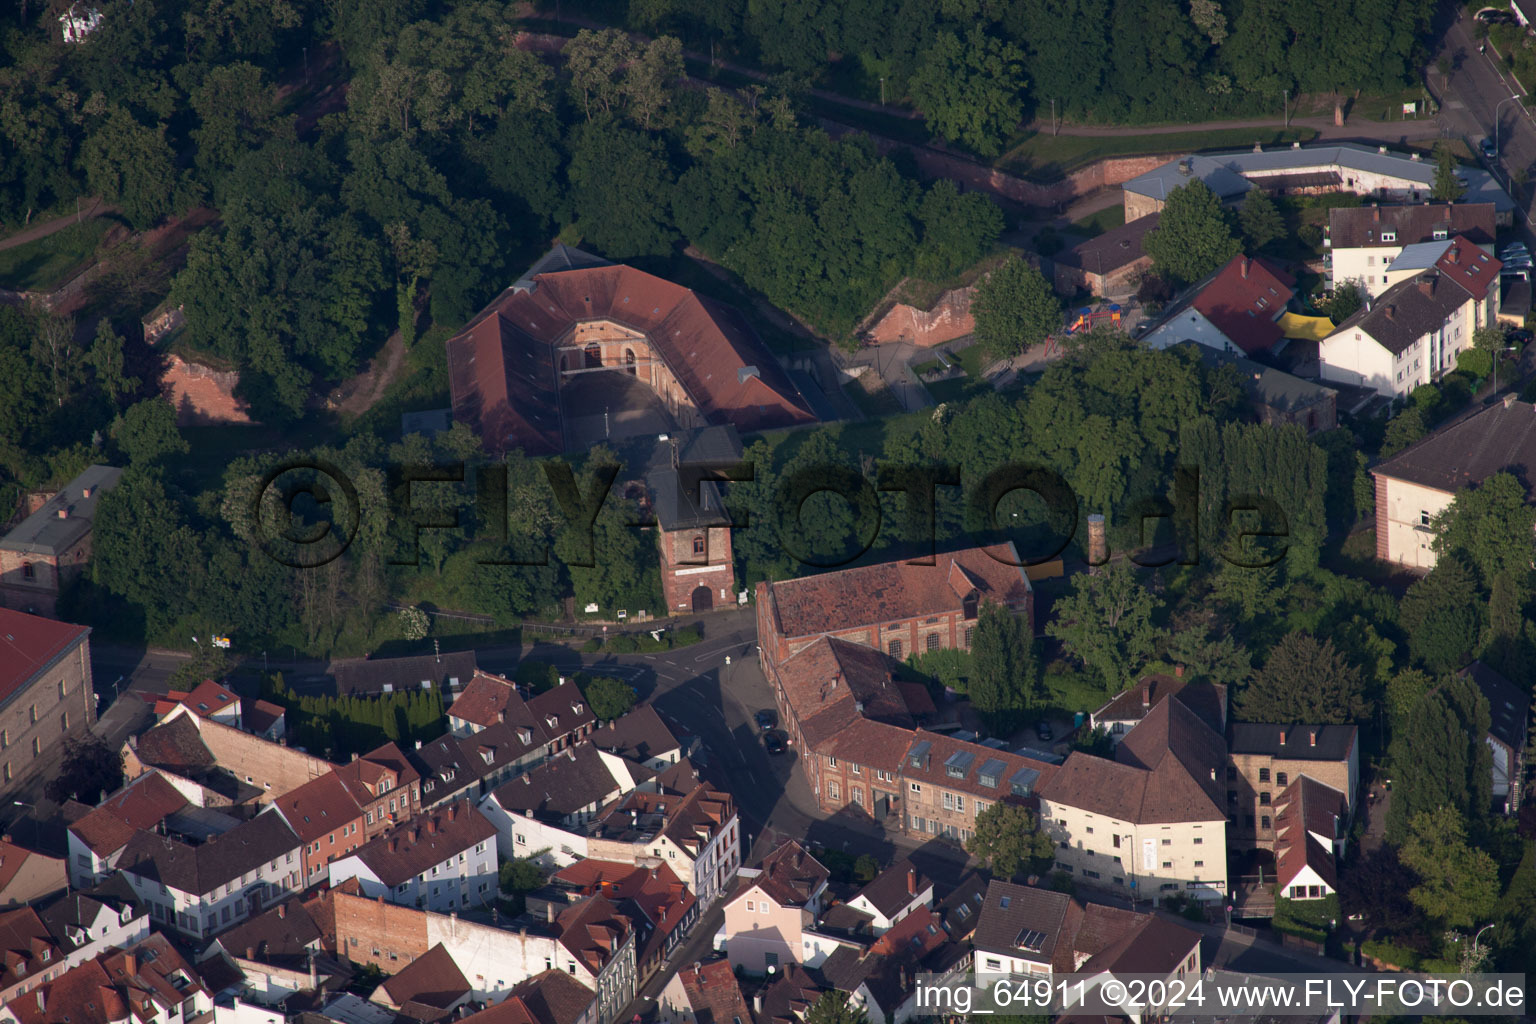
[
  {"x": 1391, "y": 311},
  {"x": 911, "y": 881},
  {"x": 130, "y": 965},
  {"x": 757, "y": 1003},
  {"x": 314, "y": 975},
  {"x": 1245, "y": 263},
  {"x": 1312, "y": 737},
  {"x": 1098, "y": 542},
  {"x": 42, "y": 1001},
  {"x": 1178, "y": 670},
  {"x": 1426, "y": 285},
  {"x": 86, "y": 492},
  {"x": 250, "y": 952},
  {"x": 501, "y": 716},
  {"x": 1375, "y": 213},
  {"x": 549, "y": 912},
  {"x": 354, "y": 756},
  {"x": 1146, "y": 695},
  {"x": 453, "y": 812},
  {"x": 1282, "y": 737},
  {"x": 1213, "y": 774},
  {"x": 63, "y": 513},
  {"x": 282, "y": 911},
  {"x": 432, "y": 826},
  {"x": 1509, "y": 400},
  {"x": 1455, "y": 254},
  {"x": 394, "y": 844},
  {"x": 418, "y": 744}
]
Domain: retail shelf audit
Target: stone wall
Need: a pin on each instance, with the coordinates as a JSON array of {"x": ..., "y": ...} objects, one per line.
[
  {"x": 203, "y": 395},
  {"x": 950, "y": 318}
]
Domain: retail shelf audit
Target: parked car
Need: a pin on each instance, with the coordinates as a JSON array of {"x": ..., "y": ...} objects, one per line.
[
  {"x": 1490, "y": 151},
  {"x": 1044, "y": 731},
  {"x": 773, "y": 742},
  {"x": 1518, "y": 336},
  {"x": 766, "y": 719},
  {"x": 1491, "y": 16}
]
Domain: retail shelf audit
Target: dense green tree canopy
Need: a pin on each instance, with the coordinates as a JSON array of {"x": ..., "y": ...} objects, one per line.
[
  {"x": 1015, "y": 308},
  {"x": 970, "y": 89},
  {"x": 1304, "y": 680},
  {"x": 1193, "y": 237}
]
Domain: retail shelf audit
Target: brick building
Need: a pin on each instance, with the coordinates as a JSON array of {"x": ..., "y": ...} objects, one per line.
[
  {"x": 1109, "y": 266},
  {"x": 46, "y": 694},
  {"x": 385, "y": 785},
  {"x": 327, "y": 821},
  {"x": 443, "y": 861},
  {"x": 898, "y": 607},
  {"x": 1263, "y": 760},
  {"x": 573, "y": 313},
  {"x": 52, "y": 544},
  {"x": 693, "y": 529},
  {"x": 948, "y": 782}
]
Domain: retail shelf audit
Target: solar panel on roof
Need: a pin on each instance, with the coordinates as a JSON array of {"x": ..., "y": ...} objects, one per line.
[{"x": 1031, "y": 940}]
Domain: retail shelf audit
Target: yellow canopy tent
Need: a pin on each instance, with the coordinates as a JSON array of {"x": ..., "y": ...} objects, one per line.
[{"x": 1305, "y": 328}]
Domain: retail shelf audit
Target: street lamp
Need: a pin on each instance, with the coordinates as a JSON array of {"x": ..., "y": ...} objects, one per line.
[
  {"x": 1478, "y": 936},
  {"x": 1496, "y": 109}
]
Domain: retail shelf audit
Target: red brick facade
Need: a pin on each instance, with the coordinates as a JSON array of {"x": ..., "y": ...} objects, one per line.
[
  {"x": 696, "y": 569},
  {"x": 378, "y": 933},
  {"x": 1383, "y": 540}
]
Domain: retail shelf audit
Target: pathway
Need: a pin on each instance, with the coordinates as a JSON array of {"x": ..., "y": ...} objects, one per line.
[
  {"x": 1381, "y": 131},
  {"x": 356, "y": 396},
  {"x": 43, "y": 229}
]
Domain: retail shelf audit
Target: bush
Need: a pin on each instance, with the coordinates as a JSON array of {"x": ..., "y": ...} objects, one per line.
[
  {"x": 538, "y": 676},
  {"x": 1063, "y": 882},
  {"x": 1475, "y": 362},
  {"x": 593, "y": 644},
  {"x": 1307, "y": 919},
  {"x": 685, "y": 636},
  {"x": 608, "y": 697},
  {"x": 1389, "y": 952},
  {"x": 622, "y": 644}
]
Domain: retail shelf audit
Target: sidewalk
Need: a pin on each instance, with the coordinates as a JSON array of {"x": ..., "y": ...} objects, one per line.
[{"x": 45, "y": 228}]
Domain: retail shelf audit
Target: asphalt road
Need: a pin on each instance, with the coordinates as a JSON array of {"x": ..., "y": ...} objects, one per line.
[{"x": 1476, "y": 92}]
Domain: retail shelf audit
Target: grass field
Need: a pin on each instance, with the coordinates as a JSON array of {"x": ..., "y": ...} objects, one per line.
[
  {"x": 1041, "y": 156},
  {"x": 46, "y": 263},
  {"x": 1107, "y": 219}
]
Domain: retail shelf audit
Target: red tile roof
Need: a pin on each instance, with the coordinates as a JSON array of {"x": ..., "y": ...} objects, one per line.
[
  {"x": 432, "y": 978},
  {"x": 894, "y": 591},
  {"x": 26, "y": 946},
  {"x": 401, "y": 853},
  {"x": 1244, "y": 300},
  {"x": 485, "y": 698},
  {"x": 1469, "y": 266},
  {"x": 790, "y": 875},
  {"x": 1306, "y": 808},
  {"x": 593, "y": 931},
  {"x": 553, "y": 997},
  {"x": 502, "y": 368},
  {"x": 209, "y": 697},
  {"x": 1207, "y": 700},
  {"x": 832, "y": 685},
  {"x": 364, "y": 776},
  {"x": 318, "y": 807},
  {"x": 1003, "y": 767},
  {"x": 713, "y": 993},
  {"x": 28, "y": 645},
  {"x": 144, "y": 803}
]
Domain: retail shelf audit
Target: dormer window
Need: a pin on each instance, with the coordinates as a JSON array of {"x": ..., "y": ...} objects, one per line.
[
  {"x": 1389, "y": 236},
  {"x": 1441, "y": 234}
]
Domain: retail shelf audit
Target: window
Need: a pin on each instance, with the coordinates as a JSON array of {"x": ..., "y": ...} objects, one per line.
[
  {"x": 970, "y": 635},
  {"x": 1117, "y": 842},
  {"x": 520, "y": 839},
  {"x": 698, "y": 545},
  {"x": 834, "y": 792},
  {"x": 1089, "y": 830},
  {"x": 959, "y": 802},
  {"x": 1263, "y": 774},
  {"x": 64, "y": 722},
  {"x": 1264, "y": 799},
  {"x": 857, "y": 793},
  {"x": 61, "y": 689},
  {"x": 1388, "y": 236},
  {"x": 1281, "y": 779},
  {"x": 37, "y": 746},
  {"x": 917, "y": 787},
  {"x": 1264, "y": 822},
  {"x": 1167, "y": 863},
  {"x": 893, "y": 648},
  {"x": 931, "y": 641},
  {"x": 1198, "y": 841},
  {"x": 855, "y": 769},
  {"x": 32, "y": 714},
  {"x": 751, "y": 906},
  {"x": 1199, "y": 863},
  {"x": 1167, "y": 842},
  {"x": 27, "y": 572},
  {"x": 831, "y": 761},
  {"x": 1090, "y": 874}
]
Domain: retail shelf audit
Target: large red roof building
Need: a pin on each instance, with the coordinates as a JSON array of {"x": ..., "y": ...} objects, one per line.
[
  {"x": 572, "y": 314},
  {"x": 46, "y": 693}
]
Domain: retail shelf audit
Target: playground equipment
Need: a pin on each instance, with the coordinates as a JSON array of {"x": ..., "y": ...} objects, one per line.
[{"x": 1086, "y": 318}]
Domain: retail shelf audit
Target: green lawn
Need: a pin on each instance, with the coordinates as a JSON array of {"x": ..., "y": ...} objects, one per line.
[
  {"x": 877, "y": 405},
  {"x": 927, "y": 367},
  {"x": 1107, "y": 219},
  {"x": 972, "y": 359},
  {"x": 46, "y": 263},
  {"x": 1041, "y": 156}
]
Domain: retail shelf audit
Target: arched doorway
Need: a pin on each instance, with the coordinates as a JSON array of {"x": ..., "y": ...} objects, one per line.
[
  {"x": 629, "y": 360},
  {"x": 594, "y": 356},
  {"x": 703, "y": 599}
]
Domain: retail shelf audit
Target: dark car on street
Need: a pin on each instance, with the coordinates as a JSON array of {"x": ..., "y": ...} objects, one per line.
[
  {"x": 766, "y": 719},
  {"x": 1043, "y": 730},
  {"x": 773, "y": 742}
]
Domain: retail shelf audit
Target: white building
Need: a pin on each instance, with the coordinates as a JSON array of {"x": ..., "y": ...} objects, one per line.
[
  {"x": 1411, "y": 333},
  {"x": 202, "y": 890},
  {"x": 544, "y": 812},
  {"x": 1365, "y": 242},
  {"x": 444, "y": 860}
]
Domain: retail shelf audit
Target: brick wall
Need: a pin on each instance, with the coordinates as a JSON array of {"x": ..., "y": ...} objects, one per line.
[
  {"x": 1383, "y": 533},
  {"x": 201, "y": 394},
  {"x": 950, "y": 318},
  {"x": 682, "y": 571},
  {"x": 378, "y": 933},
  {"x": 1249, "y": 786},
  {"x": 270, "y": 767}
]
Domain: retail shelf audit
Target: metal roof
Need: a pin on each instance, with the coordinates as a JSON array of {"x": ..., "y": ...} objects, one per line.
[
  {"x": 1420, "y": 255},
  {"x": 45, "y": 533}
]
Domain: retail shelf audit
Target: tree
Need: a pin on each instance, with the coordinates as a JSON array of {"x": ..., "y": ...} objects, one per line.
[
  {"x": 1447, "y": 188},
  {"x": 1402, "y": 430},
  {"x": 147, "y": 432},
  {"x": 1377, "y": 885},
  {"x": 831, "y": 1007},
  {"x": 1015, "y": 308},
  {"x": 1220, "y": 660},
  {"x": 609, "y": 698},
  {"x": 1439, "y": 756},
  {"x": 132, "y": 166},
  {"x": 958, "y": 229},
  {"x": 91, "y": 769},
  {"x": 596, "y": 61},
  {"x": 1260, "y": 219},
  {"x": 1105, "y": 622},
  {"x": 1458, "y": 884},
  {"x": 105, "y": 357},
  {"x": 1004, "y": 672},
  {"x": 1443, "y": 615},
  {"x": 1304, "y": 680},
  {"x": 1008, "y": 837},
  {"x": 1492, "y": 524},
  {"x": 1348, "y": 297},
  {"x": 970, "y": 91},
  {"x": 412, "y": 624},
  {"x": 1193, "y": 237},
  {"x": 650, "y": 77},
  {"x": 624, "y": 215}
]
